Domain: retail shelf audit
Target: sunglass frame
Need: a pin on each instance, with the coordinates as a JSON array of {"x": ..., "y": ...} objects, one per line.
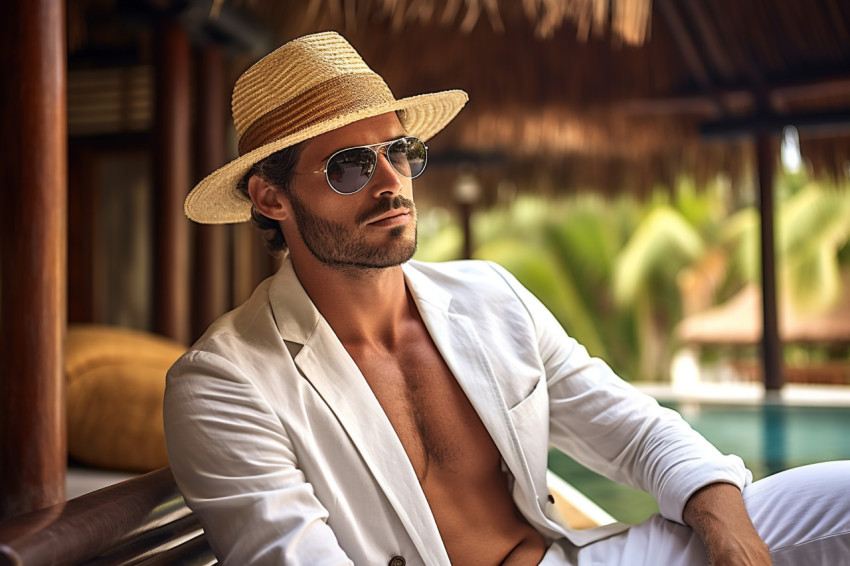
[{"x": 375, "y": 149}]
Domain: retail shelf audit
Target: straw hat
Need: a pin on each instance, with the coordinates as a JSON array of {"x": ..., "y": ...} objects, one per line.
[{"x": 309, "y": 86}]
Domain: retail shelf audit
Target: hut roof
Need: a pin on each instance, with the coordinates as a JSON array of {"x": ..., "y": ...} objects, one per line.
[
  {"x": 738, "y": 321},
  {"x": 619, "y": 94}
]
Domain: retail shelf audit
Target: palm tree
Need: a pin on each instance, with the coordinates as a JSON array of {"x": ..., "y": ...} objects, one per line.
[
  {"x": 646, "y": 271},
  {"x": 813, "y": 230},
  {"x": 521, "y": 238},
  {"x": 610, "y": 270}
]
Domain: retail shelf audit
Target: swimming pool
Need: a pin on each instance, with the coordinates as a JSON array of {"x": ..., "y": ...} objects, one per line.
[{"x": 769, "y": 438}]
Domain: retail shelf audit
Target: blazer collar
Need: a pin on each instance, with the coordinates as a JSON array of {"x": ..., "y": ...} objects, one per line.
[
  {"x": 295, "y": 315},
  {"x": 297, "y": 318},
  {"x": 324, "y": 362}
]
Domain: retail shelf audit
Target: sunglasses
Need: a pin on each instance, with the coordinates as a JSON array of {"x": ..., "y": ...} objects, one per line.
[{"x": 349, "y": 170}]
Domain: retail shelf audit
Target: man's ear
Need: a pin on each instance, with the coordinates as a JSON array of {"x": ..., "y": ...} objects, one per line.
[{"x": 268, "y": 199}]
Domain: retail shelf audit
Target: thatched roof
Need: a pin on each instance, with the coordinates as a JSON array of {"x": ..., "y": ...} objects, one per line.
[
  {"x": 577, "y": 92},
  {"x": 738, "y": 321}
]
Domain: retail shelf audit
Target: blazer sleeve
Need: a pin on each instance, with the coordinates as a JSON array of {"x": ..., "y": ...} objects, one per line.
[
  {"x": 610, "y": 427},
  {"x": 235, "y": 465}
]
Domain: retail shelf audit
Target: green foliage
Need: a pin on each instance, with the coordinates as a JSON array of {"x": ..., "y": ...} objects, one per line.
[
  {"x": 663, "y": 243},
  {"x": 585, "y": 243},
  {"x": 564, "y": 252},
  {"x": 812, "y": 229},
  {"x": 740, "y": 233},
  {"x": 441, "y": 243},
  {"x": 540, "y": 272},
  {"x": 609, "y": 270},
  {"x": 813, "y": 225}
]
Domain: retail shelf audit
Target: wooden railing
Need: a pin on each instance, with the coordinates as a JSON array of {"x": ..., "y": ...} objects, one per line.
[{"x": 143, "y": 520}]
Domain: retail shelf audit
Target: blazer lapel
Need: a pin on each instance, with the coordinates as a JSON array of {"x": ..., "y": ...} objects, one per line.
[
  {"x": 323, "y": 361},
  {"x": 459, "y": 343}
]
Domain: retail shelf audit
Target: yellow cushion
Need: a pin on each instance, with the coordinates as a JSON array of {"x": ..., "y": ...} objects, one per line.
[{"x": 115, "y": 384}]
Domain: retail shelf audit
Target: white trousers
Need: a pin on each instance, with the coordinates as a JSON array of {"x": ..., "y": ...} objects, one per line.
[{"x": 803, "y": 515}]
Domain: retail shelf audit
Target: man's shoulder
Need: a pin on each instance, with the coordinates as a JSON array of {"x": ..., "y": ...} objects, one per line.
[{"x": 247, "y": 326}]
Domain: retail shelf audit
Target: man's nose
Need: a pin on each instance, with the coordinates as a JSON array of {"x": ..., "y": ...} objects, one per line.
[{"x": 385, "y": 180}]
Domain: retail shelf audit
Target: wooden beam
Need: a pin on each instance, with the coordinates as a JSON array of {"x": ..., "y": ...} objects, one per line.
[
  {"x": 689, "y": 50},
  {"x": 33, "y": 126},
  {"x": 741, "y": 100},
  {"x": 172, "y": 181},
  {"x": 85, "y": 291},
  {"x": 710, "y": 39},
  {"x": 830, "y": 86},
  {"x": 212, "y": 271},
  {"x": 816, "y": 123},
  {"x": 837, "y": 18},
  {"x": 735, "y": 100},
  {"x": 771, "y": 345}
]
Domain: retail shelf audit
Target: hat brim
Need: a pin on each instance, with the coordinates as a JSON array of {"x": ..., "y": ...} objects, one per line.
[{"x": 215, "y": 200}]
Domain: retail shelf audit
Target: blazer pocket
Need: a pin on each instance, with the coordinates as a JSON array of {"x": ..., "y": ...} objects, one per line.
[
  {"x": 535, "y": 405},
  {"x": 530, "y": 418}
]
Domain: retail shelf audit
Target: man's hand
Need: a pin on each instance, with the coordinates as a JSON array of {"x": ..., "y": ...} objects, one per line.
[{"x": 717, "y": 514}]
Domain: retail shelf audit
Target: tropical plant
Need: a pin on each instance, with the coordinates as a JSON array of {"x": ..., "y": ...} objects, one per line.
[
  {"x": 812, "y": 234},
  {"x": 610, "y": 269}
]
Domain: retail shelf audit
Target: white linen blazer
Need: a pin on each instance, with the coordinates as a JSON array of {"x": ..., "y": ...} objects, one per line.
[{"x": 280, "y": 447}]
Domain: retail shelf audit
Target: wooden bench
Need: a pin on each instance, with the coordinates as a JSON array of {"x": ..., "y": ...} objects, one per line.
[{"x": 143, "y": 520}]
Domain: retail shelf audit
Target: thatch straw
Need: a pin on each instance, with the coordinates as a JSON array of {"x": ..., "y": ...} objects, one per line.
[
  {"x": 599, "y": 99},
  {"x": 629, "y": 19}
]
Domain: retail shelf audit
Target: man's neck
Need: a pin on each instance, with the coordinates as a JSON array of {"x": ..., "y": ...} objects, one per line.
[{"x": 365, "y": 307}]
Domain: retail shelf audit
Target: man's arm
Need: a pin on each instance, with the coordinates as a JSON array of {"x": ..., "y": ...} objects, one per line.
[
  {"x": 613, "y": 429},
  {"x": 236, "y": 467},
  {"x": 717, "y": 515}
]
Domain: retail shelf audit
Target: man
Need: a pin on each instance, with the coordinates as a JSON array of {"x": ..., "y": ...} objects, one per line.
[{"x": 363, "y": 408}]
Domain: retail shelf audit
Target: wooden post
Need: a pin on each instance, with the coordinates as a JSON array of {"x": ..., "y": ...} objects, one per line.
[
  {"x": 33, "y": 452},
  {"x": 771, "y": 345},
  {"x": 466, "y": 225},
  {"x": 211, "y": 273},
  {"x": 466, "y": 193},
  {"x": 172, "y": 182},
  {"x": 85, "y": 289}
]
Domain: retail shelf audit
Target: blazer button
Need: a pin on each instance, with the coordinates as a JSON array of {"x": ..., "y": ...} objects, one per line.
[
  {"x": 397, "y": 561},
  {"x": 551, "y": 498}
]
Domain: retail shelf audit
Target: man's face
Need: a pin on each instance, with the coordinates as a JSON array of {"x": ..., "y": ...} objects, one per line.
[{"x": 373, "y": 228}]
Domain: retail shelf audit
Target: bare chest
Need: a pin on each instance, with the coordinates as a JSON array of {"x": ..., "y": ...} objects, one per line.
[
  {"x": 429, "y": 411},
  {"x": 455, "y": 459}
]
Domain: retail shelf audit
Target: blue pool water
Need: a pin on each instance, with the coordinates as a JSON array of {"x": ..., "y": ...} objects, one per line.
[{"x": 769, "y": 438}]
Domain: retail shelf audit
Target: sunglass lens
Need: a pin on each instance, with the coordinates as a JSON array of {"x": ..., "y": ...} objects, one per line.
[
  {"x": 350, "y": 170},
  {"x": 408, "y": 156}
]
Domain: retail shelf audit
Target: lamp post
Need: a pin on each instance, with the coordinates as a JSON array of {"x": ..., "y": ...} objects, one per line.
[{"x": 467, "y": 191}]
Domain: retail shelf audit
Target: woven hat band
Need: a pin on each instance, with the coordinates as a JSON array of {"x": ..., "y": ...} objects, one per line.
[{"x": 334, "y": 98}]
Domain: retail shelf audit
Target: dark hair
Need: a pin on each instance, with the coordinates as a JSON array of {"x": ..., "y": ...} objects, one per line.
[{"x": 277, "y": 169}]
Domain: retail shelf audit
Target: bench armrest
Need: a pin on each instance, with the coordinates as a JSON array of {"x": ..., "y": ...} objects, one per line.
[{"x": 140, "y": 520}]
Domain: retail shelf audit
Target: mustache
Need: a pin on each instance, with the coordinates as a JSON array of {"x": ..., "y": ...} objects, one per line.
[{"x": 385, "y": 205}]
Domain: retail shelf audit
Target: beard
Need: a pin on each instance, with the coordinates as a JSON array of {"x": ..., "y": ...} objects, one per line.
[{"x": 340, "y": 246}]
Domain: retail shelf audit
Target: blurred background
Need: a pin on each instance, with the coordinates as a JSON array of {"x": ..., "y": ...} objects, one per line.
[{"x": 670, "y": 177}]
